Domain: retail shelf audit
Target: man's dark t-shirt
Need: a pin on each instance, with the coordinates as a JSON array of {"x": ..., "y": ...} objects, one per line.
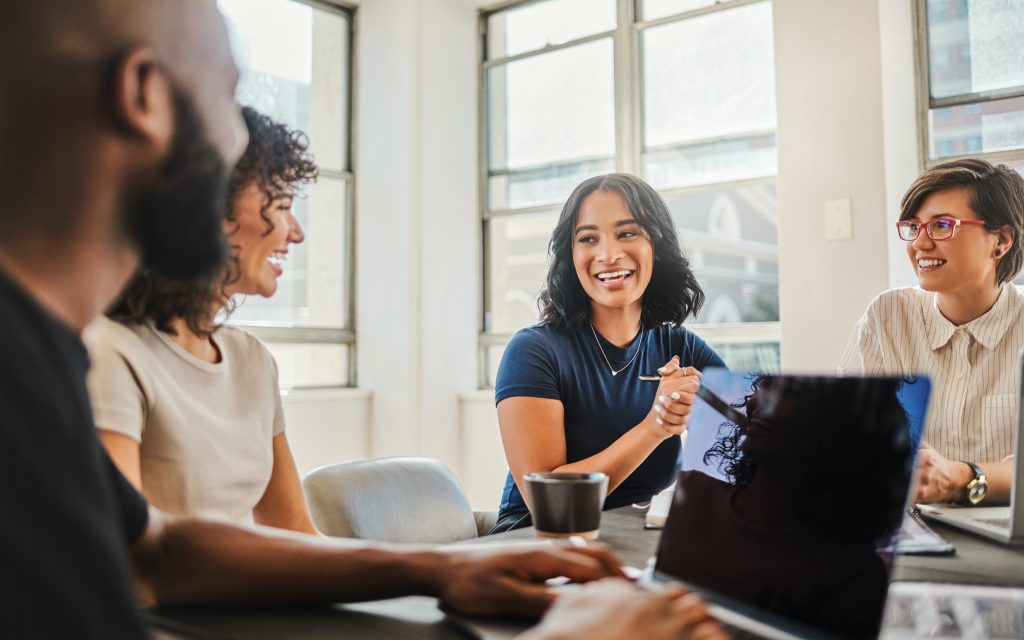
[{"x": 67, "y": 516}]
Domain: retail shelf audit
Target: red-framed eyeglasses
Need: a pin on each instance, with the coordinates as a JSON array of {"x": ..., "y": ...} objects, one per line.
[{"x": 936, "y": 229}]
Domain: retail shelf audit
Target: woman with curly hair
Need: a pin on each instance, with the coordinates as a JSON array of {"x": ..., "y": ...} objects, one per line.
[
  {"x": 189, "y": 409},
  {"x": 605, "y": 382},
  {"x": 797, "y": 521}
]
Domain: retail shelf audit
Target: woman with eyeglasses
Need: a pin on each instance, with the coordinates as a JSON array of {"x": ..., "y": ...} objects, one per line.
[
  {"x": 963, "y": 326},
  {"x": 605, "y": 382}
]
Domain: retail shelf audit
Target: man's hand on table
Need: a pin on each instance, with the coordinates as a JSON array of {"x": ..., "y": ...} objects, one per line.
[
  {"x": 487, "y": 583},
  {"x": 612, "y": 609}
]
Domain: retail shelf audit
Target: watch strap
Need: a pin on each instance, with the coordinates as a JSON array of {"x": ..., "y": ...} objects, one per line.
[
  {"x": 979, "y": 476},
  {"x": 978, "y": 473}
]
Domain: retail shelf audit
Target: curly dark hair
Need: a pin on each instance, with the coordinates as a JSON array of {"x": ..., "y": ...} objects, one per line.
[
  {"x": 276, "y": 160},
  {"x": 673, "y": 293},
  {"x": 856, "y": 422}
]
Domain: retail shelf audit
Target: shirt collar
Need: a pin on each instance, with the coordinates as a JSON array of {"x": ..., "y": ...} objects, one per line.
[{"x": 988, "y": 329}]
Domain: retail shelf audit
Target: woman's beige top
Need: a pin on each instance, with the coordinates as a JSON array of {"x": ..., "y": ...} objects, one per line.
[
  {"x": 974, "y": 368},
  {"x": 205, "y": 430}
]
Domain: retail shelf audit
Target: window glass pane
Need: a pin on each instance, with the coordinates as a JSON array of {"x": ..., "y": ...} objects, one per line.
[
  {"x": 709, "y": 97},
  {"x": 749, "y": 356},
  {"x": 654, "y": 9},
  {"x": 294, "y": 62},
  {"x": 721, "y": 161},
  {"x": 494, "y": 355},
  {"x": 974, "y": 45},
  {"x": 553, "y": 107},
  {"x": 977, "y": 128},
  {"x": 313, "y": 290},
  {"x": 731, "y": 239},
  {"x": 518, "y": 246},
  {"x": 311, "y": 365},
  {"x": 543, "y": 185},
  {"x": 537, "y": 25}
]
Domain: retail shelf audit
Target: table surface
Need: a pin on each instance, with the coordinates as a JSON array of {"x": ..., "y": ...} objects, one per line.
[{"x": 977, "y": 561}]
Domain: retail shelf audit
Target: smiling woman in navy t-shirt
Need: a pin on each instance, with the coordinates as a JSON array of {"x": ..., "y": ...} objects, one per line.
[{"x": 605, "y": 382}]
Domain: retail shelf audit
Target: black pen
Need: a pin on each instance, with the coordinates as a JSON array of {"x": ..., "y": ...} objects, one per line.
[{"x": 721, "y": 406}]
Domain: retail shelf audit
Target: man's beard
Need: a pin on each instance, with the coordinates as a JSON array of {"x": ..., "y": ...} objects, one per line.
[{"x": 177, "y": 220}]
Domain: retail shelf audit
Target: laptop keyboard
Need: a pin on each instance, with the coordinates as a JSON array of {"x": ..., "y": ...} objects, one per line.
[{"x": 940, "y": 611}]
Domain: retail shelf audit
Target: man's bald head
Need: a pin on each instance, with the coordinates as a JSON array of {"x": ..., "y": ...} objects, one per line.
[
  {"x": 61, "y": 35},
  {"x": 90, "y": 111}
]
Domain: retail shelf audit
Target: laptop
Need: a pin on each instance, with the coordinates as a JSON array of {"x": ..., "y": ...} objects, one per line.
[
  {"x": 789, "y": 487},
  {"x": 1005, "y": 524}
]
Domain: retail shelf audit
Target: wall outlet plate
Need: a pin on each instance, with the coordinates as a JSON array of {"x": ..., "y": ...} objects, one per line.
[{"x": 838, "y": 219}]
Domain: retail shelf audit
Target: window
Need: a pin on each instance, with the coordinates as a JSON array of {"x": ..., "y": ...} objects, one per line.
[
  {"x": 295, "y": 61},
  {"x": 682, "y": 94},
  {"x": 972, "y": 79}
]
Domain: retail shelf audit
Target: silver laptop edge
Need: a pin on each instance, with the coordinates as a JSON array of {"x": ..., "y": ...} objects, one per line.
[{"x": 762, "y": 623}]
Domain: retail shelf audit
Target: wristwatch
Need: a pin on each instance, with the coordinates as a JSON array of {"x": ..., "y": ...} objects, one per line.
[{"x": 976, "y": 489}]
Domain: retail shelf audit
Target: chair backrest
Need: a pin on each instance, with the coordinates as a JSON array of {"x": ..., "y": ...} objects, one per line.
[{"x": 391, "y": 500}]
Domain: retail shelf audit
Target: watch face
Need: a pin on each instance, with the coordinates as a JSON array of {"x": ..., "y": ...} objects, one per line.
[{"x": 976, "y": 492}]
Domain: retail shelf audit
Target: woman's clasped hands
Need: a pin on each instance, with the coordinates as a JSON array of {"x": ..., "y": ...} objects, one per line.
[{"x": 673, "y": 402}]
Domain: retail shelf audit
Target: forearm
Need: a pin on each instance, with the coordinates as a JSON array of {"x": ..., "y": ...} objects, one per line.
[
  {"x": 1000, "y": 480},
  {"x": 290, "y": 517},
  {"x": 623, "y": 456},
  {"x": 198, "y": 562}
]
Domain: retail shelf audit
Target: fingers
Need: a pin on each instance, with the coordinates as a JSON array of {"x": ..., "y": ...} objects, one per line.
[
  {"x": 674, "y": 406},
  {"x": 521, "y": 598},
  {"x": 604, "y": 556},
  {"x": 674, "y": 399},
  {"x": 708, "y": 630},
  {"x": 513, "y": 583},
  {"x": 670, "y": 367},
  {"x": 579, "y": 565},
  {"x": 676, "y": 371},
  {"x": 691, "y": 613},
  {"x": 690, "y": 609}
]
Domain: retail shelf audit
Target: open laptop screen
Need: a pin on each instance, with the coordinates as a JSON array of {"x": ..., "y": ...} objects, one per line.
[{"x": 789, "y": 485}]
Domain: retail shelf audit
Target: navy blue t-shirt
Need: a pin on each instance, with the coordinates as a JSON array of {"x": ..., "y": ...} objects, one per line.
[{"x": 543, "y": 362}]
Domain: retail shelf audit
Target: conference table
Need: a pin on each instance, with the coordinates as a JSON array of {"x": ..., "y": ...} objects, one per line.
[{"x": 976, "y": 561}]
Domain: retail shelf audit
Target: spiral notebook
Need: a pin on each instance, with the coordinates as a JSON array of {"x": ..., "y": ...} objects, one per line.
[{"x": 917, "y": 538}]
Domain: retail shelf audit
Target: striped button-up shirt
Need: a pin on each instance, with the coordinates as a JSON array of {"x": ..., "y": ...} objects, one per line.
[{"x": 974, "y": 368}]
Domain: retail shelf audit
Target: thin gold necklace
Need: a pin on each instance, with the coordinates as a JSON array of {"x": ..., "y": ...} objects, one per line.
[{"x": 605, "y": 355}]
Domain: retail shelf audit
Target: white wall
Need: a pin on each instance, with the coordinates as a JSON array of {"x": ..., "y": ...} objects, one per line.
[
  {"x": 900, "y": 126},
  {"x": 831, "y": 136},
  {"x": 417, "y": 233},
  {"x": 327, "y": 426},
  {"x": 846, "y": 128}
]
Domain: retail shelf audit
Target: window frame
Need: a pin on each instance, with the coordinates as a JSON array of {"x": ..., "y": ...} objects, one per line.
[
  {"x": 925, "y": 102},
  {"x": 275, "y": 333},
  {"x": 629, "y": 151}
]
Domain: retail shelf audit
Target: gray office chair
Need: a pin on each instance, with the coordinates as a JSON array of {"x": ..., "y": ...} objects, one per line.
[{"x": 393, "y": 500}]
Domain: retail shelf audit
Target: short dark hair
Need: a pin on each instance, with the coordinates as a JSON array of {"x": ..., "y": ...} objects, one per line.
[
  {"x": 276, "y": 159},
  {"x": 854, "y": 420},
  {"x": 673, "y": 293},
  {"x": 996, "y": 196}
]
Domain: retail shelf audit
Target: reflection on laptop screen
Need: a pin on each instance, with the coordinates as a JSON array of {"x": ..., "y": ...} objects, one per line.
[{"x": 789, "y": 485}]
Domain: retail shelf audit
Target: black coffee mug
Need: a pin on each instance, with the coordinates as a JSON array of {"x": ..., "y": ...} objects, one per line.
[{"x": 565, "y": 504}]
